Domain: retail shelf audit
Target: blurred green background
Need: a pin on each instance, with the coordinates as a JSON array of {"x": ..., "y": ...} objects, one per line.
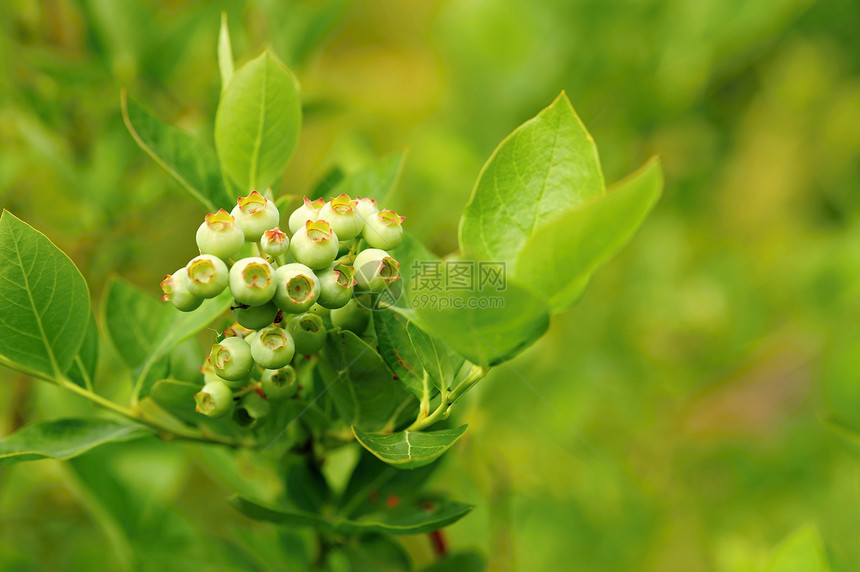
[{"x": 693, "y": 412}]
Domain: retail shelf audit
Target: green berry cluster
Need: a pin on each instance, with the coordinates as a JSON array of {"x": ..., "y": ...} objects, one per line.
[{"x": 287, "y": 296}]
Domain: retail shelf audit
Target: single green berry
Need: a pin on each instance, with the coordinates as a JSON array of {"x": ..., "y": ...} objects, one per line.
[
  {"x": 255, "y": 214},
  {"x": 231, "y": 359},
  {"x": 375, "y": 270},
  {"x": 336, "y": 286},
  {"x": 273, "y": 347},
  {"x": 220, "y": 236},
  {"x": 214, "y": 400},
  {"x": 255, "y": 317},
  {"x": 365, "y": 207},
  {"x": 297, "y": 288},
  {"x": 279, "y": 384},
  {"x": 383, "y": 230},
  {"x": 275, "y": 242},
  {"x": 175, "y": 288},
  {"x": 351, "y": 317},
  {"x": 315, "y": 245},
  {"x": 308, "y": 333},
  {"x": 340, "y": 213},
  {"x": 252, "y": 282},
  {"x": 252, "y": 411},
  {"x": 207, "y": 276},
  {"x": 308, "y": 211}
]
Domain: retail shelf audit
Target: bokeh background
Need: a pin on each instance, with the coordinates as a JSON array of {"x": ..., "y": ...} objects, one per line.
[{"x": 693, "y": 412}]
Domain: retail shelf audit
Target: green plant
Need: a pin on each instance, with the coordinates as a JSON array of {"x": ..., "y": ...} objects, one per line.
[{"x": 400, "y": 351}]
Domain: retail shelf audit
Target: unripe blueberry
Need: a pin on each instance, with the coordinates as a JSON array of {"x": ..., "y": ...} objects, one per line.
[
  {"x": 279, "y": 384},
  {"x": 297, "y": 288},
  {"x": 308, "y": 211},
  {"x": 340, "y": 213},
  {"x": 308, "y": 333},
  {"x": 252, "y": 282},
  {"x": 375, "y": 270},
  {"x": 336, "y": 286},
  {"x": 275, "y": 242},
  {"x": 175, "y": 288},
  {"x": 351, "y": 317},
  {"x": 220, "y": 236},
  {"x": 207, "y": 276},
  {"x": 273, "y": 348},
  {"x": 255, "y": 317},
  {"x": 383, "y": 230},
  {"x": 214, "y": 400},
  {"x": 315, "y": 244},
  {"x": 365, "y": 207},
  {"x": 209, "y": 376},
  {"x": 231, "y": 359},
  {"x": 252, "y": 411},
  {"x": 255, "y": 214}
]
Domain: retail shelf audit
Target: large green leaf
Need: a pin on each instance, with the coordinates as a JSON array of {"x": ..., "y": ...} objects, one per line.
[
  {"x": 63, "y": 438},
  {"x": 486, "y": 327},
  {"x": 46, "y": 304},
  {"x": 409, "y": 449},
  {"x": 559, "y": 259},
  {"x": 376, "y": 181},
  {"x": 83, "y": 368},
  {"x": 546, "y": 166},
  {"x": 257, "y": 124},
  {"x": 435, "y": 357},
  {"x": 177, "y": 398},
  {"x": 423, "y": 515},
  {"x": 225, "y": 53},
  {"x": 396, "y": 350},
  {"x": 133, "y": 320},
  {"x": 361, "y": 387},
  {"x": 188, "y": 160}
]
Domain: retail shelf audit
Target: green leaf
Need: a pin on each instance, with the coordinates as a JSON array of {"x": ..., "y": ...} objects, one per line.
[
  {"x": 83, "y": 368},
  {"x": 225, "y": 53},
  {"x": 46, "y": 304},
  {"x": 133, "y": 320},
  {"x": 546, "y": 166},
  {"x": 377, "y": 553},
  {"x": 376, "y": 181},
  {"x": 396, "y": 350},
  {"x": 800, "y": 552},
  {"x": 469, "y": 561},
  {"x": 408, "y": 518},
  {"x": 63, "y": 439},
  {"x": 409, "y": 449},
  {"x": 362, "y": 388},
  {"x": 306, "y": 485},
  {"x": 561, "y": 257},
  {"x": 189, "y": 161},
  {"x": 177, "y": 398},
  {"x": 439, "y": 362},
  {"x": 486, "y": 327},
  {"x": 257, "y": 123}
]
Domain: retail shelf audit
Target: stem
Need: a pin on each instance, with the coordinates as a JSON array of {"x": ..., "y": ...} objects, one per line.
[{"x": 448, "y": 399}]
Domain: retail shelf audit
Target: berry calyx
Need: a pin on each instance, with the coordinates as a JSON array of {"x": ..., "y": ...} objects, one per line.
[
  {"x": 220, "y": 236},
  {"x": 214, "y": 400},
  {"x": 365, "y": 207},
  {"x": 308, "y": 211},
  {"x": 308, "y": 333},
  {"x": 383, "y": 230},
  {"x": 375, "y": 270},
  {"x": 336, "y": 286},
  {"x": 231, "y": 359},
  {"x": 297, "y": 288},
  {"x": 273, "y": 348},
  {"x": 252, "y": 282},
  {"x": 340, "y": 213},
  {"x": 255, "y": 214},
  {"x": 279, "y": 384},
  {"x": 207, "y": 276},
  {"x": 315, "y": 244},
  {"x": 275, "y": 242},
  {"x": 175, "y": 288}
]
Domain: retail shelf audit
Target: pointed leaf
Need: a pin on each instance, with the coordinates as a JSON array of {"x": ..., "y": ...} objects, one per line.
[
  {"x": 63, "y": 438},
  {"x": 189, "y": 161},
  {"x": 83, "y": 368},
  {"x": 409, "y": 449},
  {"x": 282, "y": 516},
  {"x": 46, "y": 303},
  {"x": 439, "y": 362},
  {"x": 177, "y": 398},
  {"x": 560, "y": 258},
  {"x": 133, "y": 320},
  {"x": 546, "y": 166},
  {"x": 257, "y": 124},
  {"x": 225, "y": 53},
  {"x": 376, "y": 181},
  {"x": 396, "y": 350}
]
